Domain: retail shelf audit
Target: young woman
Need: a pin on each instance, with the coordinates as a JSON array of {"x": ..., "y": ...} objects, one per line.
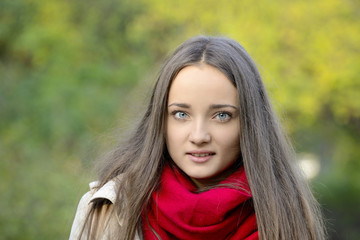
[{"x": 207, "y": 161}]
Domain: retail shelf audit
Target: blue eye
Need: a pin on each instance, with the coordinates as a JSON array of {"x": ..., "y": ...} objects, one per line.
[
  {"x": 180, "y": 115},
  {"x": 223, "y": 116}
]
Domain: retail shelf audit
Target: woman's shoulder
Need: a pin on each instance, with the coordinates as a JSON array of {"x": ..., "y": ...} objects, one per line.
[{"x": 96, "y": 193}]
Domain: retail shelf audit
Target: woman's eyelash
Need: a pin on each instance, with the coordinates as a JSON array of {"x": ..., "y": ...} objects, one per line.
[
  {"x": 224, "y": 112},
  {"x": 175, "y": 111}
]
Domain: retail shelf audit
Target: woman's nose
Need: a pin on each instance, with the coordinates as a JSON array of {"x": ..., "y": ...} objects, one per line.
[{"x": 199, "y": 133}]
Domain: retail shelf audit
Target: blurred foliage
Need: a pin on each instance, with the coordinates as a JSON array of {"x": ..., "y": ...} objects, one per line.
[{"x": 71, "y": 70}]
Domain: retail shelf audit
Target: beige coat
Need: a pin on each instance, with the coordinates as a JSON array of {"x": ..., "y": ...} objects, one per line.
[{"x": 111, "y": 222}]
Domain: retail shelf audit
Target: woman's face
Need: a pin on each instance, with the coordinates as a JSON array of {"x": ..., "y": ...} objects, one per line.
[{"x": 202, "y": 128}]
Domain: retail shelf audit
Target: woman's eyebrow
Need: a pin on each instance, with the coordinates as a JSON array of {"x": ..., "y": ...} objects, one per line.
[
  {"x": 182, "y": 105},
  {"x": 217, "y": 106}
]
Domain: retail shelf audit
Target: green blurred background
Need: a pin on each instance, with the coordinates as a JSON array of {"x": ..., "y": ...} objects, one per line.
[{"x": 75, "y": 74}]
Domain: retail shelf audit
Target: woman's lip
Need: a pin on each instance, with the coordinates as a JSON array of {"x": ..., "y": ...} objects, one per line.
[{"x": 200, "y": 156}]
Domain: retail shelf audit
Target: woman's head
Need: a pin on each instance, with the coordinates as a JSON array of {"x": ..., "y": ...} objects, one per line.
[
  {"x": 202, "y": 124},
  {"x": 228, "y": 59}
]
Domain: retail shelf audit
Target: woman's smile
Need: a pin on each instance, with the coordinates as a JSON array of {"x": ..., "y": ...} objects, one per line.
[{"x": 200, "y": 156}]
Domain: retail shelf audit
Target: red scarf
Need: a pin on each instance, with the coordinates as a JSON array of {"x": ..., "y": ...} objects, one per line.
[{"x": 177, "y": 211}]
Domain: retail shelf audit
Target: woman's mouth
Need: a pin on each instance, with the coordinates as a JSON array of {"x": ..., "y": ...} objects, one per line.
[{"x": 200, "y": 157}]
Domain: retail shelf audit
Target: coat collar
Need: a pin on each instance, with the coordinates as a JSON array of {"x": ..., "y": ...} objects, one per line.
[{"x": 108, "y": 191}]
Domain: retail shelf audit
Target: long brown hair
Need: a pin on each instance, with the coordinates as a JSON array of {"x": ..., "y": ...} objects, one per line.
[{"x": 284, "y": 205}]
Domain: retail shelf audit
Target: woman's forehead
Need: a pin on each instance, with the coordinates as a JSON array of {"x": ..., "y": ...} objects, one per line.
[{"x": 202, "y": 83}]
